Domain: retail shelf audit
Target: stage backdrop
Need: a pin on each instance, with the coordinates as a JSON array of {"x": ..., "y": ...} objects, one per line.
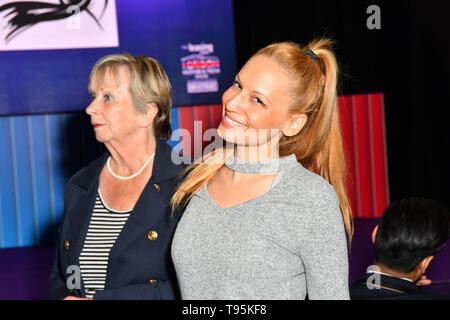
[
  {"x": 40, "y": 153},
  {"x": 48, "y": 47}
]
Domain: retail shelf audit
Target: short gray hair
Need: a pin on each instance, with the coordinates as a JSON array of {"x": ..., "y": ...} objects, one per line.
[{"x": 149, "y": 83}]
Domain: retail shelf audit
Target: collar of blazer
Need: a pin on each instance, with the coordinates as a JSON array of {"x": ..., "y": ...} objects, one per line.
[
  {"x": 389, "y": 282},
  {"x": 163, "y": 168}
]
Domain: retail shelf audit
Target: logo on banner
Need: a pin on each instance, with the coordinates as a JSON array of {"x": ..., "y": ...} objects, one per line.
[
  {"x": 200, "y": 68},
  {"x": 31, "y": 25}
]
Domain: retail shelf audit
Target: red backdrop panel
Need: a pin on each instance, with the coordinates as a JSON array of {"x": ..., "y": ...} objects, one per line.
[
  {"x": 363, "y": 155},
  {"x": 347, "y": 129},
  {"x": 379, "y": 154}
]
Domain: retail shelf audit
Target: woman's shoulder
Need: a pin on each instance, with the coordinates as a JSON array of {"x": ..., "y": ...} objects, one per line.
[
  {"x": 303, "y": 185},
  {"x": 303, "y": 181},
  {"x": 169, "y": 164},
  {"x": 313, "y": 201}
]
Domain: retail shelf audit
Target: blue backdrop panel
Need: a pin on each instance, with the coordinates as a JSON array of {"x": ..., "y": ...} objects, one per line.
[
  {"x": 8, "y": 179},
  {"x": 35, "y": 167},
  {"x": 23, "y": 187},
  {"x": 175, "y": 32}
]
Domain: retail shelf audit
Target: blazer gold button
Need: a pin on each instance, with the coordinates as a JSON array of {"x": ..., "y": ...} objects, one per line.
[
  {"x": 66, "y": 244},
  {"x": 153, "y": 235},
  {"x": 157, "y": 186},
  {"x": 152, "y": 281}
]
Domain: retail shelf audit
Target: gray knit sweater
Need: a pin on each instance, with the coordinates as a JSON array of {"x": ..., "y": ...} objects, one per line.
[{"x": 284, "y": 244}]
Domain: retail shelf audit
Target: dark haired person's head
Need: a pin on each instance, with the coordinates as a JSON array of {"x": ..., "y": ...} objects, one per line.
[{"x": 411, "y": 231}]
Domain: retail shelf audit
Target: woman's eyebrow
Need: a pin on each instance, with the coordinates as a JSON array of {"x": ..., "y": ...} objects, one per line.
[
  {"x": 261, "y": 94},
  {"x": 254, "y": 91}
]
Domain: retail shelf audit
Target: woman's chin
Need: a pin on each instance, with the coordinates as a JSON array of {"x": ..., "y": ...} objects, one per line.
[
  {"x": 228, "y": 134},
  {"x": 101, "y": 137}
]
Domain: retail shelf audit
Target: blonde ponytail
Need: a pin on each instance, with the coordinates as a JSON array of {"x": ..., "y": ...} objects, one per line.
[{"x": 318, "y": 146}]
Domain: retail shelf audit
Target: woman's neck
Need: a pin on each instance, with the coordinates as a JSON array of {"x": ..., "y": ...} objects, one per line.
[
  {"x": 254, "y": 153},
  {"x": 129, "y": 157}
]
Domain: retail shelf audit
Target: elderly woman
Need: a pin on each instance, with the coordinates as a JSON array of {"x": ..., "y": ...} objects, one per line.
[{"x": 116, "y": 230}]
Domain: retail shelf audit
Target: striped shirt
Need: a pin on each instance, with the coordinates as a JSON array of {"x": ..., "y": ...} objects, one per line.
[{"x": 104, "y": 229}]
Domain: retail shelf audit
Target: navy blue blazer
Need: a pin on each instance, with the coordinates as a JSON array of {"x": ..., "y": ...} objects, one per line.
[
  {"x": 138, "y": 267},
  {"x": 391, "y": 288}
]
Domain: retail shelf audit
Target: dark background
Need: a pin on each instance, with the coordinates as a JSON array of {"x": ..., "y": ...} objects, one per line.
[{"x": 407, "y": 60}]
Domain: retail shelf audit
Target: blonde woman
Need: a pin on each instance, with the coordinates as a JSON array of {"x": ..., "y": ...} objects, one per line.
[
  {"x": 267, "y": 218},
  {"x": 116, "y": 229}
]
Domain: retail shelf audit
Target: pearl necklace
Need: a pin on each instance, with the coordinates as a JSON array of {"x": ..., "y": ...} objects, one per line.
[{"x": 133, "y": 175}]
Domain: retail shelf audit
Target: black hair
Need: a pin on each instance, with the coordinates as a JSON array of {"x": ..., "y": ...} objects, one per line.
[{"x": 410, "y": 230}]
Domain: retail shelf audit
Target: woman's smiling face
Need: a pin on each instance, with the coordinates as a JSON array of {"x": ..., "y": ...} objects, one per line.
[{"x": 257, "y": 104}]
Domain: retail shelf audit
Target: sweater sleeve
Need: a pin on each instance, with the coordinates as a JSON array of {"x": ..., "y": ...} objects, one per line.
[{"x": 324, "y": 249}]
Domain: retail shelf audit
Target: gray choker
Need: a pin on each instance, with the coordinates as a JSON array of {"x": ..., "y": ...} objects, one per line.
[{"x": 261, "y": 167}]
